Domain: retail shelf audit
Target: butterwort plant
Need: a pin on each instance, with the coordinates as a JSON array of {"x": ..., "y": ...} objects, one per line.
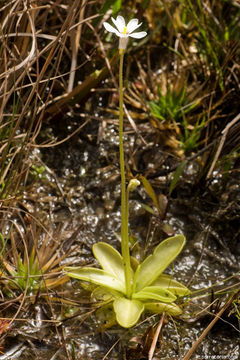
[{"x": 132, "y": 287}]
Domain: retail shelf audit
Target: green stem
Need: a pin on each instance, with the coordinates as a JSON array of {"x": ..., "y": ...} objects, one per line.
[{"x": 124, "y": 207}]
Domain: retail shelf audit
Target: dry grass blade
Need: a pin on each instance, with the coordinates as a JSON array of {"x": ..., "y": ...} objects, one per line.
[
  {"x": 155, "y": 338},
  {"x": 221, "y": 144},
  {"x": 35, "y": 38},
  {"x": 75, "y": 41}
]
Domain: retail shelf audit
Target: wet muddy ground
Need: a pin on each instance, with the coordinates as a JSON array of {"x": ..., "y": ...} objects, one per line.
[{"x": 80, "y": 192}]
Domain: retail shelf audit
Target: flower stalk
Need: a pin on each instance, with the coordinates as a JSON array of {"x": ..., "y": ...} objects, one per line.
[
  {"x": 124, "y": 31},
  {"x": 124, "y": 206}
]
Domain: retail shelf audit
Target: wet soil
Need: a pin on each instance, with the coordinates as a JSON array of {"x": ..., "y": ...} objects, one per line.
[{"x": 80, "y": 191}]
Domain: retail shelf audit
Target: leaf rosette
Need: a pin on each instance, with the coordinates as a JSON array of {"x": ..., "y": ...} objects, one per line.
[{"x": 150, "y": 289}]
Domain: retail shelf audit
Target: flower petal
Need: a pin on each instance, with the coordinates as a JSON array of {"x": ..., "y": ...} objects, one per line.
[
  {"x": 132, "y": 25},
  {"x": 110, "y": 28},
  {"x": 138, "y": 35},
  {"x": 119, "y": 23}
]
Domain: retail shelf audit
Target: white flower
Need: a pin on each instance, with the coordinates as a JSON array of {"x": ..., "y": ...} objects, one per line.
[{"x": 124, "y": 31}]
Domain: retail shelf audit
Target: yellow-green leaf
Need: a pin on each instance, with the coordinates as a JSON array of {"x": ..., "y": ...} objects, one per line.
[
  {"x": 96, "y": 276},
  {"x": 149, "y": 190},
  {"x": 149, "y": 270},
  {"x": 167, "y": 282},
  {"x": 158, "y": 308},
  {"x": 127, "y": 311},
  {"x": 110, "y": 259},
  {"x": 155, "y": 293}
]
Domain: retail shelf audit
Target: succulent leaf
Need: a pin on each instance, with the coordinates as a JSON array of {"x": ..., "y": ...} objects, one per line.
[
  {"x": 110, "y": 259},
  {"x": 127, "y": 311},
  {"x": 149, "y": 270},
  {"x": 155, "y": 293},
  {"x": 96, "y": 276},
  {"x": 166, "y": 282},
  {"x": 158, "y": 308}
]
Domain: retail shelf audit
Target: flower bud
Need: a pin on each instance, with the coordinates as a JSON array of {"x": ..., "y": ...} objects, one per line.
[{"x": 133, "y": 184}]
